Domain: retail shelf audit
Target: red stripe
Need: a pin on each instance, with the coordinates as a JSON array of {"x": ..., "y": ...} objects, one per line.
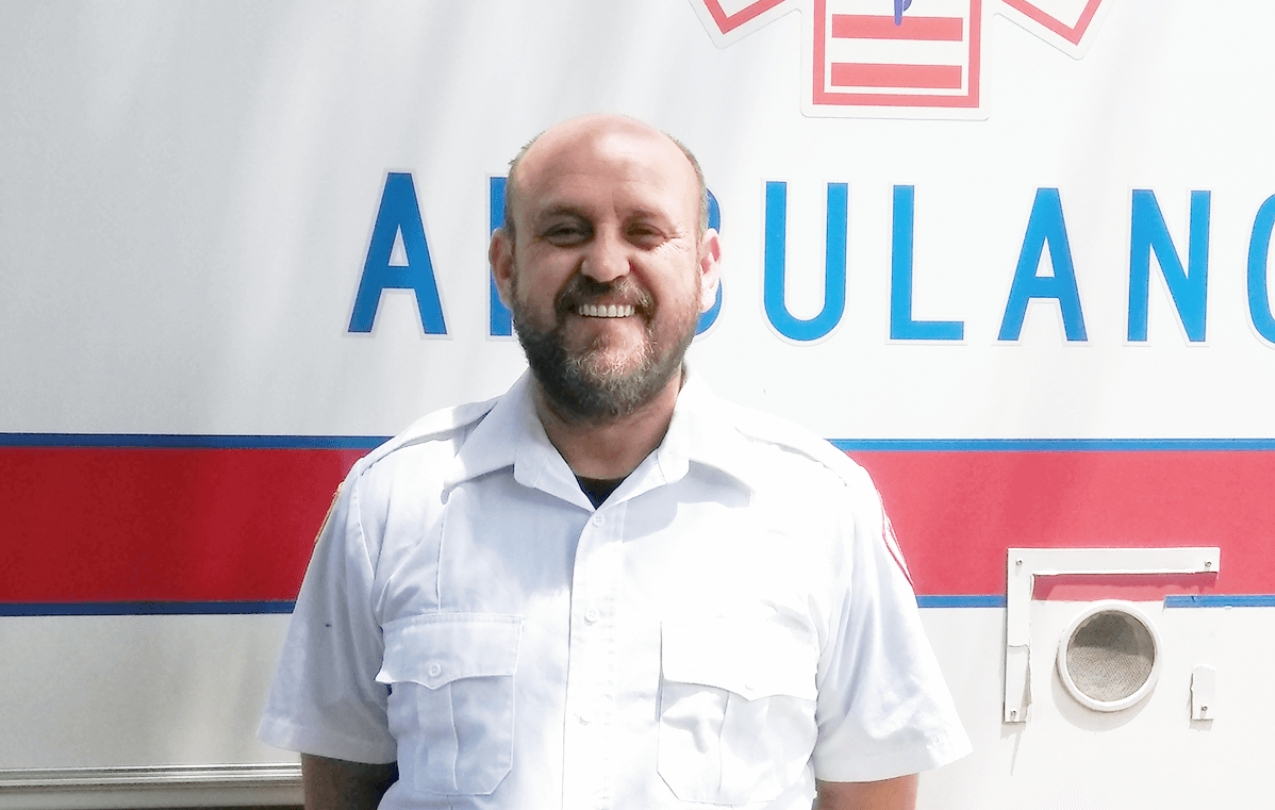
[
  {"x": 955, "y": 513},
  {"x": 111, "y": 525},
  {"x": 932, "y": 77},
  {"x": 864, "y": 26},
  {"x": 108, "y": 524},
  {"x": 1138, "y": 587}
]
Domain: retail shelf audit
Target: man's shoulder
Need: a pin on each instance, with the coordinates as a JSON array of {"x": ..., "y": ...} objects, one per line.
[
  {"x": 781, "y": 440},
  {"x": 437, "y": 435}
]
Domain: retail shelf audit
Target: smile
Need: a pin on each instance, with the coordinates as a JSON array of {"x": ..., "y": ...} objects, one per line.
[{"x": 612, "y": 311}]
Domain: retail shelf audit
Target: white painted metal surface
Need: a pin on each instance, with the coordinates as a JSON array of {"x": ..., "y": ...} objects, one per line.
[{"x": 1023, "y": 565}]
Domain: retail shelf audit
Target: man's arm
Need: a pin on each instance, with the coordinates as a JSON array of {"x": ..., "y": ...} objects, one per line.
[
  {"x": 888, "y": 794},
  {"x": 334, "y": 784}
]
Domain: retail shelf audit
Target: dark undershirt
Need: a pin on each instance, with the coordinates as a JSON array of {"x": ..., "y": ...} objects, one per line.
[{"x": 598, "y": 489}]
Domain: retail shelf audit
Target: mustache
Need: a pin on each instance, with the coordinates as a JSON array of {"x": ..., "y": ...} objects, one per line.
[{"x": 582, "y": 290}]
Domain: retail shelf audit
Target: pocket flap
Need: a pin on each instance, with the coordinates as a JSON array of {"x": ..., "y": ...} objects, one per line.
[
  {"x": 437, "y": 648},
  {"x": 753, "y": 659}
]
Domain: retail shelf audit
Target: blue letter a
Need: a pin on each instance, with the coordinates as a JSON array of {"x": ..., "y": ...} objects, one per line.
[
  {"x": 399, "y": 214},
  {"x": 1044, "y": 226}
]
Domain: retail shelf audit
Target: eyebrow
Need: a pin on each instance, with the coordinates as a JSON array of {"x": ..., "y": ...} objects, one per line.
[
  {"x": 646, "y": 213},
  {"x": 561, "y": 211}
]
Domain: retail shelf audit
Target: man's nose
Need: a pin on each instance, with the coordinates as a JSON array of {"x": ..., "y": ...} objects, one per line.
[{"x": 607, "y": 258}]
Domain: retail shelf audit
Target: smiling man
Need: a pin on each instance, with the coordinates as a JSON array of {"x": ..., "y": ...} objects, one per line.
[{"x": 608, "y": 588}]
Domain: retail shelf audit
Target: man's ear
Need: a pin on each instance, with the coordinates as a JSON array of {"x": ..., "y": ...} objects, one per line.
[
  {"x": 710, "y": 268},
  {"x": 501, "y": 255}
]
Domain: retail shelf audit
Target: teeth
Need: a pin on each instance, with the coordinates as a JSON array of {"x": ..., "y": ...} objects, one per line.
[{"x": 612, "y": 311}]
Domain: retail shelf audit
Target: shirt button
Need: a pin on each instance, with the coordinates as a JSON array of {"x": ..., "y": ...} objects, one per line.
[
  {"x": 585, "y": 717},
  {"x": 598, "y": 519},
  {"x": 435, "y": 669},
  {"x": 591, "y": 615}
]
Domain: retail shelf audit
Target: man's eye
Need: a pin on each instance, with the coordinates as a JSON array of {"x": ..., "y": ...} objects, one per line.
[
  {"x": 566, "y": 234},
  {"x": 646, "y": 236}
]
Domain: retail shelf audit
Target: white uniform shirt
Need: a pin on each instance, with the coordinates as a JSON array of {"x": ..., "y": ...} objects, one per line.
[{"x": 730, "y": 624}]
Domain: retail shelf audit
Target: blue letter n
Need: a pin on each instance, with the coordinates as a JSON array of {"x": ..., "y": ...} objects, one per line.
[{"x": 1188, "y": 286}]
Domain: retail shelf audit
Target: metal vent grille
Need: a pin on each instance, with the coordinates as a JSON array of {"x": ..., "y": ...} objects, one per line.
[{"x": 1108, "y": 657}]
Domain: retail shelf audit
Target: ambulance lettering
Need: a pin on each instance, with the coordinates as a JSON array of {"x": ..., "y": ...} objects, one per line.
[
  {"x": 775, "y": 265},
  {"x": 399, "y": 258},
  {"x": 1259, "y": 251},
  {"x": 398, "y": 225},
  {"x": 1188, "y": 286},
  {"x": 1045, "y": 226}
]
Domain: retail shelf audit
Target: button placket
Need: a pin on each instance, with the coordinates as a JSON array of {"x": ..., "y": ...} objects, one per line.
[{"x": 592, "y": 658}]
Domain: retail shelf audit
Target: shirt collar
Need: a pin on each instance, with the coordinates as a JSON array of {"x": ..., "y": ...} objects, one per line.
[
  {"x": 510, "y": 435},
  {"x": 701, "y": 431}
]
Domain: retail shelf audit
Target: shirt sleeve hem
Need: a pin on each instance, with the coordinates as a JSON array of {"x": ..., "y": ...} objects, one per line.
[
  {"x": 891, "y": 764},
  {"x": 285, "y": 734}
]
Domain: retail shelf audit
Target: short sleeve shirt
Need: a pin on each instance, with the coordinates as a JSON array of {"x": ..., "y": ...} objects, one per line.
[{"x": 730, "y": 624}]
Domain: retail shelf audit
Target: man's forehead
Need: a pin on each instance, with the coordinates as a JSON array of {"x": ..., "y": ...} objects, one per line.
[{"x": 605, "y": 146}]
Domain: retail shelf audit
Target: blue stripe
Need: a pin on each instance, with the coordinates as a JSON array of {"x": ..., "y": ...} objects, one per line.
[
  {"x": 276, "y": 607},
  {"x": 1038, "y": 445},
  {"x": 179, "y": 441},
  {"x": 296, "y": 442},
  {"x": 1220, "y": 600},
  {"x": 992, "y": 600},
  {"x": 143, "y": 608},
  {"x": 1173, "y": 601}
]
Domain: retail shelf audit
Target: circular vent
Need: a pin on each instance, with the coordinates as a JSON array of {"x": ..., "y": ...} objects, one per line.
[{"x": 1109, "y": 656}]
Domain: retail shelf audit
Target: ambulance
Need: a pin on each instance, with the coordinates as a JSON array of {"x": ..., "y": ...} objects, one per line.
[{"x": 1011, "y": 256}]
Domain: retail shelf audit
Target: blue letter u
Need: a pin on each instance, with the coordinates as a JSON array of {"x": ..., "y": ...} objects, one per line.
[{"x": 834, "y": 284}]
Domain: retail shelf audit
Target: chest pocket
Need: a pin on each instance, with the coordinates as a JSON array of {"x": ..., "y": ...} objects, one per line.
[
  {"x": 451, "y": 704},
  {"x": 737, "y": 709}
]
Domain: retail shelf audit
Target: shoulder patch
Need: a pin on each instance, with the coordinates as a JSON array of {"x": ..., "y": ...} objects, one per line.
[
  {"x": 892, "y": 543},
  {"x": 323, "y": 527}
]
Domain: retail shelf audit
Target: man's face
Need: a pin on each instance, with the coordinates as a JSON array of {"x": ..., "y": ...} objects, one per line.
[{"x": 609, "y": 273}]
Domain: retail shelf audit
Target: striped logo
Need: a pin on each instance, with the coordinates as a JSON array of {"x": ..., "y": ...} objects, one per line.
[{"x": 901, "y": 58}]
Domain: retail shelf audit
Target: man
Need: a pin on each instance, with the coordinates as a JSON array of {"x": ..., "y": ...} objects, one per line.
[{"x": 607, "y": 588}]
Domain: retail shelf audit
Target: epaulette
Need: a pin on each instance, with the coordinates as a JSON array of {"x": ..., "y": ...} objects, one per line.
[
  {"x": 789, "y": 435},
  {"x": 776, "y": 430},
  {"x": 436, "y": 426}
]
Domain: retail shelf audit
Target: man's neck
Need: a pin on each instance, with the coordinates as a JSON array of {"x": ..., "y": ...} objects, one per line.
[{"x": 610, "y": 448}]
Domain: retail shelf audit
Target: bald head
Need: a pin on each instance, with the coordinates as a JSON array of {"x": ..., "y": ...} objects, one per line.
[{"x": 582, "y": 133}]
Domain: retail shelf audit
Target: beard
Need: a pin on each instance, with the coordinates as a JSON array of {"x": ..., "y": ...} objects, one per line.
[{"x": 591, "y": 384}]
